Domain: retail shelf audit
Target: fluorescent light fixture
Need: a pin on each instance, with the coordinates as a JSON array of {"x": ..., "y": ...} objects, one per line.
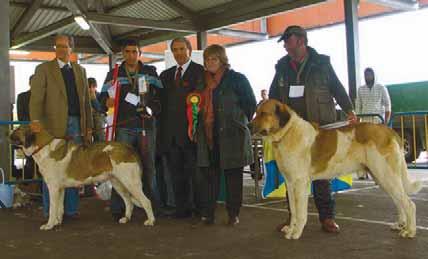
[
  {"x": 18, "y": 52},
  {"x": 81, "y": 21}
]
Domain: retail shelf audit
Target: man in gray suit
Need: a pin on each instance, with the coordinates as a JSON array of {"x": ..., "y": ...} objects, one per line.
[{"x": 60, "y": 101}]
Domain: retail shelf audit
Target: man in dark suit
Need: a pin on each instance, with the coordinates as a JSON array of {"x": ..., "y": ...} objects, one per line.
[
  {"x": 178, "y": 82},
  {"x": 22, "y": 105}
]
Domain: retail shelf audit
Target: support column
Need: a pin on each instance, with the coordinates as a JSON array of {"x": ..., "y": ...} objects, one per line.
[
  {"x": 352, "y": 46},
  {"x": 5, "y": 89},
  {"x": 202, "y": 39}
]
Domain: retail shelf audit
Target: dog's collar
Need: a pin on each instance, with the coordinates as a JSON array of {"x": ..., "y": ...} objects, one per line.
[
  {"x": 277, "y": 136},
  {"x": 41, "y": 147}
]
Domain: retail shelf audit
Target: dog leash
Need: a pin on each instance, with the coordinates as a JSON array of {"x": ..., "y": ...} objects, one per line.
[{"x": 335, "y": 125}]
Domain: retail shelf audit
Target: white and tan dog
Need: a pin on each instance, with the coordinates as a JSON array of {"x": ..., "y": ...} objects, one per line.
[
  {"x": 304, "y": 152},
  {"x": 64, "y": 164}
]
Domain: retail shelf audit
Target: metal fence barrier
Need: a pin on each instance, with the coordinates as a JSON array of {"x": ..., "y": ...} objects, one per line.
[
  {"x": 413, "y": 130},
  {"x": 18, "y": 154}
]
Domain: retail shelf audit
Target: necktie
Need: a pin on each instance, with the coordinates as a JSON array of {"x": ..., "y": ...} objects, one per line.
[{"x": 178, "y": 76}]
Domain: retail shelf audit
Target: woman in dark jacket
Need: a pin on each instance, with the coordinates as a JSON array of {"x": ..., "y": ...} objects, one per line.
[{"x": 223, "y": 138}]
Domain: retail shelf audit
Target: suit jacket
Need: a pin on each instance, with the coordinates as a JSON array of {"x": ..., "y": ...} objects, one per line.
[
  {"x": 22, "y": 104},
  {"x": 173, "y": 119},
  {"x": 48, "y": 102}
]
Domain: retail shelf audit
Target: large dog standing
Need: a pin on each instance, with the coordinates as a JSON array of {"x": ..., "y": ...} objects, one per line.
[
  {"x": 305, "y": 152},
  {"x": 64, "y": 164}
]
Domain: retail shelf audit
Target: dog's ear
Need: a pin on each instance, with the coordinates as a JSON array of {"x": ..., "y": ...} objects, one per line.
[
  {"x": 283, "y": 114},
  {"x": 30, "y": 137}
]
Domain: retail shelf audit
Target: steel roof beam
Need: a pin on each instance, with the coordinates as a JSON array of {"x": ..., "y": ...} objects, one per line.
[
  {"x": 26, "y": 17},
  {"x": 242, "y": 34},
  {"x": 139, "y": 22},
  {"x": 405, "y": 5},
  {"x": 42, "y": 33},
  {"x": 78, "y": 8}
]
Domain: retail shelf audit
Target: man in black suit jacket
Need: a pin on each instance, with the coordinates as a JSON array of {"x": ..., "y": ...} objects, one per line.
[
  {"x": 23, "y": 103},
  {"x": 178, "y": 82}
]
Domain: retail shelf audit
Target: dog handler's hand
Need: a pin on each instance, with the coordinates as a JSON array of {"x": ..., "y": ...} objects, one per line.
[
  {"x": 35, "y": 126},
  {"x": 352, "y": 118},
  {"x": 110, "y": 103}
]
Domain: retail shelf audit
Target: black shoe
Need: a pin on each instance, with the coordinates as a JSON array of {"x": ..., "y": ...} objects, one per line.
[
  {"x": 203, "y": 221},
  {"x": 165, "y": 212},
  {"x": 117, "y": 216},
  {"x": 183, "y": 214}
]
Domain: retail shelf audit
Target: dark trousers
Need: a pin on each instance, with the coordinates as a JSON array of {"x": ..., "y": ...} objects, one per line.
[
  {"x": 181, "y": 162},
  {"x": 145, "y": 146},
  {"x": 210, "y": 187},
  {"x": 324, "y": 200}
]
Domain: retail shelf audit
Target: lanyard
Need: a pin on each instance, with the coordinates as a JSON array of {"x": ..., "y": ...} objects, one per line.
[
  {"x": 301, "y": 68},
  {"x": 135, "y": 81}
]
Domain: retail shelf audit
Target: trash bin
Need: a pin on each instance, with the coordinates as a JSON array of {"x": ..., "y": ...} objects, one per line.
[{"x": 6, "y": 193}]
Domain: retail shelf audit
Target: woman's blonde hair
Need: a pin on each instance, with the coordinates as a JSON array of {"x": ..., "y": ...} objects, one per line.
[{"x": 218, "y": 51}]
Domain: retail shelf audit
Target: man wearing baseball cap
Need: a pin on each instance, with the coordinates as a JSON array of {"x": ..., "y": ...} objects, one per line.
[{"x": 306, "y": 81}]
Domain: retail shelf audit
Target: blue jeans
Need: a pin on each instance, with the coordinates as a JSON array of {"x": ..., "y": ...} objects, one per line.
[
  {"x": 71, "y": 196},
  {"x": 145, "y": 147}
]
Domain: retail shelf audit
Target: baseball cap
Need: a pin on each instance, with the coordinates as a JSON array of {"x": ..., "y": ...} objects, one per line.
[{"x": 292, "y": 30}]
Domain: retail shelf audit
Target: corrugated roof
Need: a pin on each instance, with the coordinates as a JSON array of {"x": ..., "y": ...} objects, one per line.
[
  {"x": 14, "y": 15},
  {"x": 43, "y": 18},
  {"x": 75, "y": 30},
  {"x": 56, "y": 3},
  {"x": 148, "y": 9},
  {"x": 197, "y": 5}
]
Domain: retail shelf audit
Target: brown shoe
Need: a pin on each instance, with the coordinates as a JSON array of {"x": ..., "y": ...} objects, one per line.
[{"x": 330, "y": 226}]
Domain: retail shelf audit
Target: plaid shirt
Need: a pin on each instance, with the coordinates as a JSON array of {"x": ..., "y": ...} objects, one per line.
[{"x": 373, "y": 100}]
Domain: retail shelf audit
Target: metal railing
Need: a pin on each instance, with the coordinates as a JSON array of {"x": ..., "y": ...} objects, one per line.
[
  {"x": 15, "y": 181},
  {"x": 418, "y": 128}
]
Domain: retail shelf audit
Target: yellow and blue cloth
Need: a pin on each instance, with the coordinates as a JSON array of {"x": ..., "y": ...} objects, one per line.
[{"x": 275, "y": 185}]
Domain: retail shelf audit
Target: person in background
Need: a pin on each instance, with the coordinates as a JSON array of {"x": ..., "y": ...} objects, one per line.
[
  {"x": 60, "y": 102},
  {"x": 372, "y": 98},
  {"x": 264, "y": 95},
  {"x": 98, "y": 113},
  {"x": 306, "y": 81},
  {"x": 223, "y": 138},
  {"x": 22, "y": 105}
]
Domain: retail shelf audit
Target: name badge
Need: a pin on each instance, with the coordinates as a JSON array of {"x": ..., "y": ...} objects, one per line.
[
  {"x": 296, "y": 91},
  {"x": 142, "y": 85},
  {"x": 132, "y": 99}
]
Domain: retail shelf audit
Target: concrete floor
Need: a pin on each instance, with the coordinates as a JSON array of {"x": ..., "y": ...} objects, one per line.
[{"x": 364, "y": 214}]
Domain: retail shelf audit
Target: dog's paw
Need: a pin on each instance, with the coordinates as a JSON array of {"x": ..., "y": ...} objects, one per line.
[
  {"x": 405, "y": 233},
  {"x": 397, "y": 226},
  {"x": 47, "y": 226},
  {"x": 123, "y": 220},
  {"x": 149, "y": 222},
  {"x": 285, "y": 229},
  {"x": 293, "y": 234}
]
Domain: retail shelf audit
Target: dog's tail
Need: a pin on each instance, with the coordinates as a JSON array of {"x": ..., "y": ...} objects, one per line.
[{"x": 409, "y": 186}]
